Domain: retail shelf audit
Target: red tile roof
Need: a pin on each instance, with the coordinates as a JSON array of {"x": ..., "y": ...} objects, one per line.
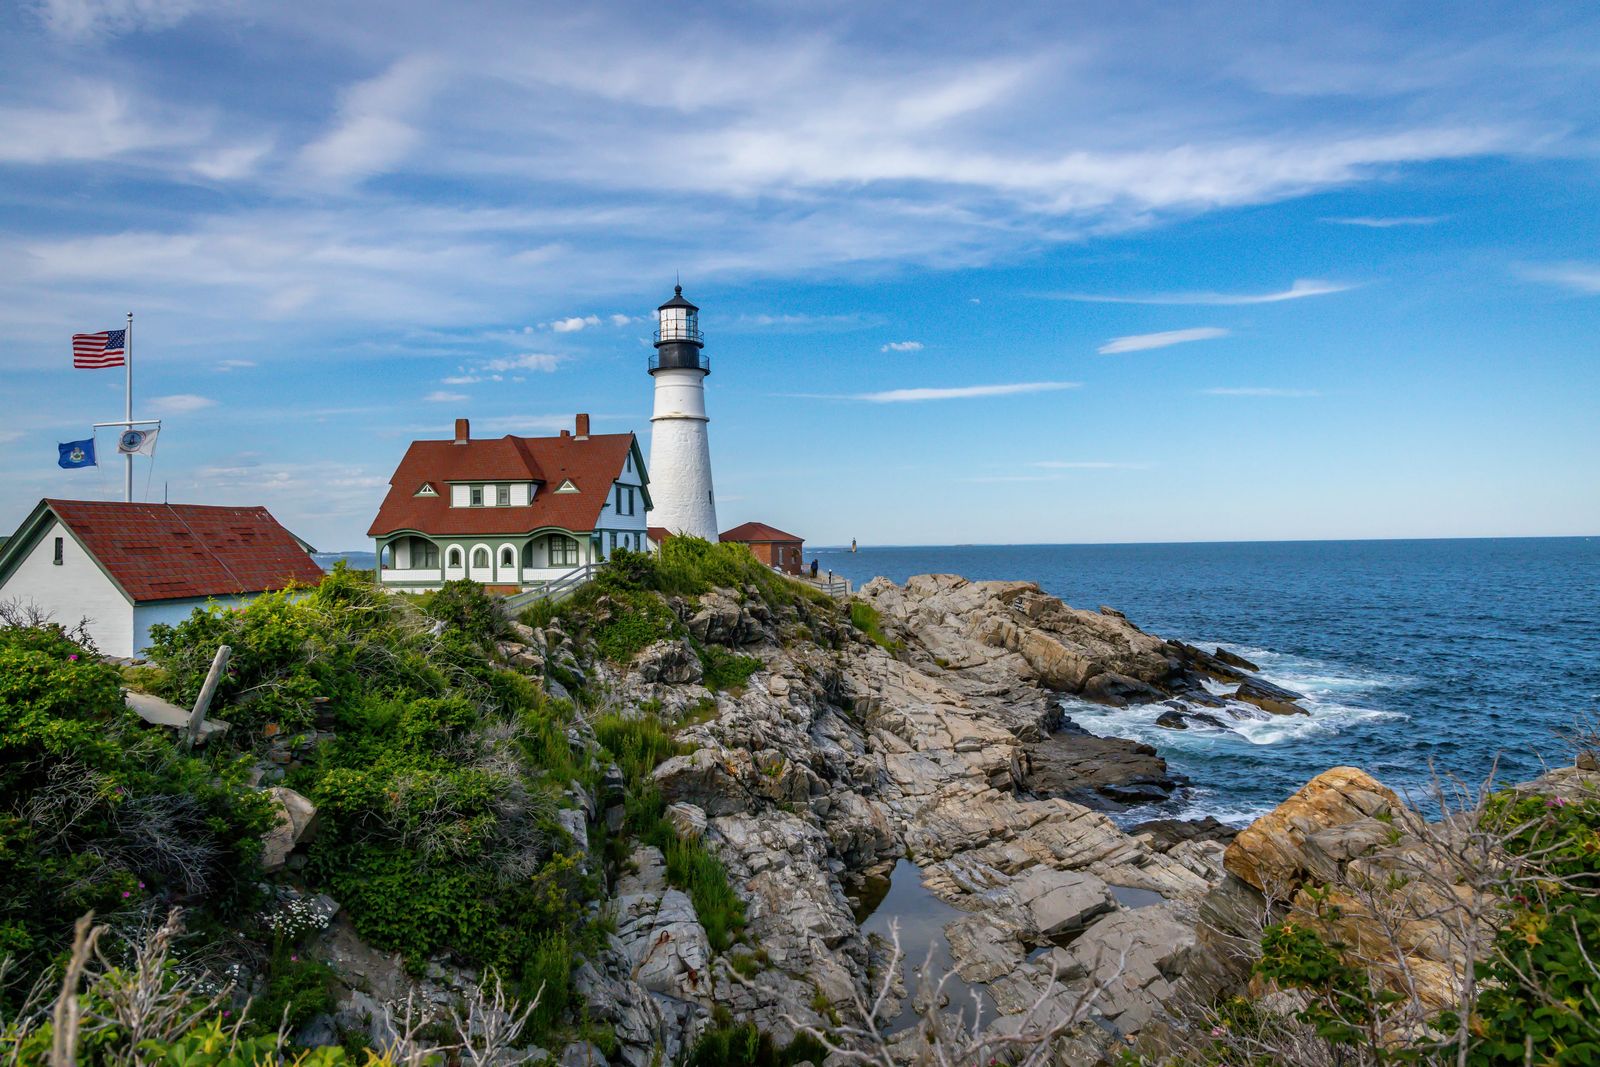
[
  {"x": 757, "y": 532},
  {"x": 591, "y": 463},
  {"x": 175, "y": 551}
]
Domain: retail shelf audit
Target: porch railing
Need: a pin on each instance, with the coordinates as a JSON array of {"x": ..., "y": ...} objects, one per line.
[{"x": 555, "y": 589}]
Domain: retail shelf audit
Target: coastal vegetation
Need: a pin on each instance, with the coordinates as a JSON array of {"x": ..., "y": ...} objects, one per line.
[{"x": 481, "y": 784}]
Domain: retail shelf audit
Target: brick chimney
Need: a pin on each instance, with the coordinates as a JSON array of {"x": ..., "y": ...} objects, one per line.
[
  {"x": 583, "y": 427},
  {"x": 463, "y": 432}
]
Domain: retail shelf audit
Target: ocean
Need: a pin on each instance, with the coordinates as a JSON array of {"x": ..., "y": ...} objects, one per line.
[
  {"x": 1461, "y": 656},
  {"x": 1464, "y": 656}
]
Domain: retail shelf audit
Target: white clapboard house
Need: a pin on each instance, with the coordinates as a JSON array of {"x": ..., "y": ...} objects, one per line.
[{"x": 125, "y": 566}]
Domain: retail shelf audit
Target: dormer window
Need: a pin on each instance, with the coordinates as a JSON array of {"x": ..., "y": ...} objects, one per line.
[
  {"x": 475, "y": 496},
  {"x": 566, "y": 487},
  {"x": 426, "y": 489},
  {"x": 502, "y": 496}
]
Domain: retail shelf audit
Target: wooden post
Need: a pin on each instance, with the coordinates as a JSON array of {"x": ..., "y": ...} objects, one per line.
[{"x": 203, "y": 703}]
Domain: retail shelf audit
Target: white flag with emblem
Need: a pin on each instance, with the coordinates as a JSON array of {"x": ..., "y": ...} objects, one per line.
[{"x": 142, "y": 442}]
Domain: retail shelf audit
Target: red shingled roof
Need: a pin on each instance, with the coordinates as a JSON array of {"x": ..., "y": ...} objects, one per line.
[
  {"x": 757, "y": 531},
  {"x": 659, "y": 534},
  {"x": 591, "y": 463},
  {"x": 176, "y": 551}
]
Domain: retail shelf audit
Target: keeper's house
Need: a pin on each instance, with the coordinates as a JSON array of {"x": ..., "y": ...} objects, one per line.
[
  {"x": 510, "y": 511},
  {"x": 125, "y": 567}
]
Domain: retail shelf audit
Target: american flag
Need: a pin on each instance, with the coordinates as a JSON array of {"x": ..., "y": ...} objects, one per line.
[{"x": 95, "y": 350}]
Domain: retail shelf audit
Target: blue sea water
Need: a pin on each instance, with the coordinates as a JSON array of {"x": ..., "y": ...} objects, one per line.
[{"x": 1456, "y": 655}]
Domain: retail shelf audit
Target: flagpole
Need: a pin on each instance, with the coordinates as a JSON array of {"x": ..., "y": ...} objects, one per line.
[{"x": 127, "y": 341}]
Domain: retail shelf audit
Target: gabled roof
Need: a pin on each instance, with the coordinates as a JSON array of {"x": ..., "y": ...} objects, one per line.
[
  {"x": 658, "y": 534},
  {"x": 177, "y": 551},
  {"x": 592, "y": 463},
  {"x": 757, "y": 532}
]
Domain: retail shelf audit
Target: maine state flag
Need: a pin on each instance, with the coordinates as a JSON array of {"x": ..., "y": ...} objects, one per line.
[{"x": 75, "y": 454}]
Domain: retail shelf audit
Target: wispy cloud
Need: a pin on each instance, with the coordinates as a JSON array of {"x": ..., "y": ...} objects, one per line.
[
  {"x": 180, "y": 403},
  {"x": 962, "y": 392},
  {"x": 225, "y": 365},
  {"x": 1579, "y": 277},
  {"x": 1384, "y": 222},
  {"x": 373, "y": 130},
  {"x": 1302, "y": 288},
  {"x": 1140, "y": 342},
  {"x": 540, "y": 361},
  {"x": 902, "y": 346},
  {"x": 464, "y": 379},
  {"x": 1256, "y": 390},
  {"x": 439, "y": 396},
  {"x": 1089, "y": 465}
]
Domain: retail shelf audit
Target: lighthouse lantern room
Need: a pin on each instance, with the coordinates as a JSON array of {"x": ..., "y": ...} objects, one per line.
[{"x": 683, "y": 499}]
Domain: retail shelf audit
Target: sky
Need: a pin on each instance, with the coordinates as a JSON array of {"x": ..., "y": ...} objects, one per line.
[{"x": 1049, "y": 273}]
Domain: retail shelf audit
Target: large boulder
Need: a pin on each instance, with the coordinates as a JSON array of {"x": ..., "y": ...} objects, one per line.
[
  {"x": 1118, "y": 690},
  {"x": 712, "y": 781},
  {"x": 1269, "y": 697},
  {"x": 672, "y": 662},
  {"x": 719, "y": 619},
  {"x": 1136, "y": 956},
  {"x": 295, "y": 823},
  {"x": 1271, "y": 854},
  {"x": 1059, "y": 902}
]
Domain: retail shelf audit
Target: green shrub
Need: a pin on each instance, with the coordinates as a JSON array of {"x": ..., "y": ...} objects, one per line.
[
  {"x": 639, "y": 743},
  {"x": 297, "y": 990},
  {"x": 865, "y": 617},
  {"x": 692, "y": 868},
  {"x": 464, "y": 606},
  {"x": 1539, "y": 983},
  {"x": 726, "y": 670},
  {"x": 85, "y": 786}
]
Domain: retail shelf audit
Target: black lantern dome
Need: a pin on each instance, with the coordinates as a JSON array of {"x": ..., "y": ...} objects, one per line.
[{"x": 678, "y": 338}]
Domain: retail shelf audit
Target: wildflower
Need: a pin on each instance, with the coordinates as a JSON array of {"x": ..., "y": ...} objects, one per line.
[
  {"x": 1218, "y": 1031},
  {"x": 1556, "y": 802},
  {"x": 72, "y": 658},
  {"x": 126, "y": 894},
  {"x": 141, "y": 885},
  {"x": 294, "y": 959}
]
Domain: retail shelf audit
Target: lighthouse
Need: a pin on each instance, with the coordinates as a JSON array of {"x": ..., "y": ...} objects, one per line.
[{"x": 680, "y": 451}]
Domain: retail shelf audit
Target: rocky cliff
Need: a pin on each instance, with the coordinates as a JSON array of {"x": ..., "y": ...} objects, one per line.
[{"x": 938, "y": 740}]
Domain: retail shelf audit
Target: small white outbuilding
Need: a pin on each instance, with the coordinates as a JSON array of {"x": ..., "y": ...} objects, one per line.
[{"x": 124, "y": 567}]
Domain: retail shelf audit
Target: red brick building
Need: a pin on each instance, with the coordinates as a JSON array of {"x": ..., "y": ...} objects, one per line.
[{"x": 772, "y": 546}]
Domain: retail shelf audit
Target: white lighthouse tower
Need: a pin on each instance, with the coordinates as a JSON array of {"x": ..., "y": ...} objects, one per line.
[{"x": 680, "y": 453}]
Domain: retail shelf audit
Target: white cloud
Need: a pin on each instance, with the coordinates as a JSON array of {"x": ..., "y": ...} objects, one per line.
[
  {"x": 902, "y": 346},
  {"x": 1143, "y": 341},
  {"x": 1089, "y": 465},
  {"x": 1384, "y": 222},
  {"x": 540, "y": 361},
  {"x": 180, "y": 403},
  {"x": 964, "y": 392},
  {"x": 621, "y": 320},
  {"x": 372, "y": 131},
  {"x": 1579, "y": 277},
  {"x": 1256, "y": 390},
  {"x": 1302, "y": 288},
  {"x": 439, "y": 396},
  {"x": 574, "y": 324},
  {"x": 460, "y": 379},
  {"x": 7, "y": 436},
  {"x": 225, "y": 365},
  {"x": 82, "y": 18}
]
